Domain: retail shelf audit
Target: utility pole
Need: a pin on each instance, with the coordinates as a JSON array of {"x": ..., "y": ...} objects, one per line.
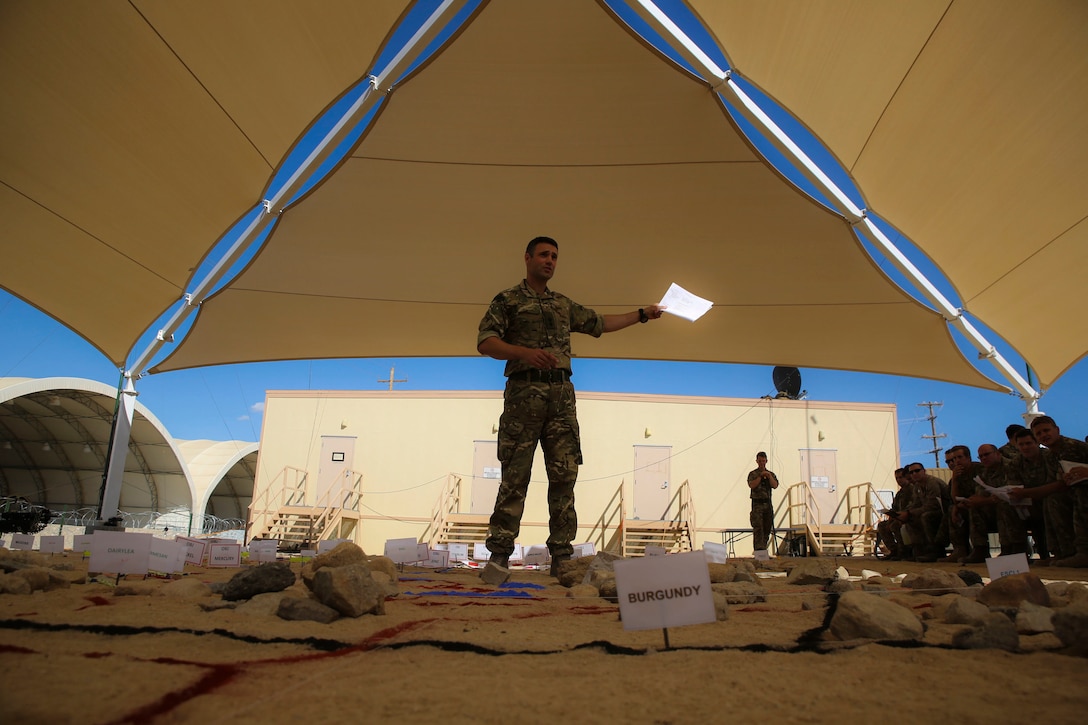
[{"x": 934, "y": 435}]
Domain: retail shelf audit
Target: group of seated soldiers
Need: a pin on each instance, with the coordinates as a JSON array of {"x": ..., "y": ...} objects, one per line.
[{"x": 1047, "y": 499}]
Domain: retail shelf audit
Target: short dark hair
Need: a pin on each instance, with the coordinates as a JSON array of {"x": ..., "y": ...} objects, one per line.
[
  {"x": 1025, "y": 434},
  {"x": 1043, "y": 419},
  {"x": 530, "y": 249},
  {"x": 965, "y": 449},
  {"x": 916, "y": 463},
  {"x": 761, "y": 453},
  {"x": 1012, "y": 430}
]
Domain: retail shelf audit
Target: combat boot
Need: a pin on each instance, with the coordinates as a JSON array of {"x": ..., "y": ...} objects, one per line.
[
  {"x": 556, "y": 561},
  {"x": 955, "y": 556},
  {"x": 1077, "y": 561},
  {"x": 978, "y": 556},
  {"x": 502, "y": 560}
]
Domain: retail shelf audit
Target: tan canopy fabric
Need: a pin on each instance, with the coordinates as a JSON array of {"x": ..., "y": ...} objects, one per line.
[
  {"x": 150, "y": 127},
  {"x": 963, "y": 123},
  {"x": 136, "y": 133},
  {"x": 642, "y": 180}
]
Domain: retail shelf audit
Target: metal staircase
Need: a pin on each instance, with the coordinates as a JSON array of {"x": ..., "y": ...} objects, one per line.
[
  {"x": 282, "y": 512},
  {"x": 448, "y": 525},
  {"x": 799, "y": 513}
]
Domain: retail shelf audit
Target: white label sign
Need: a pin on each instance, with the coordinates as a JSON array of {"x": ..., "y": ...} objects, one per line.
[
  {"x": 225, "y": 555},
  {"x": 51, "y": 544},
  {"x": 652, "y": 550},
  {"x": 761, "y": 555},
  {"x": 537, "y": 555},
  {"x": 119, "y": 552},
  {"x": 1000, "y": 566},
  {"x": 263, "y": 550},
  {"x": 193, "y": 548},
  {"x": 658, "y": 592},
  {"x": 480, "y": 552},
  {"x": 82, "y": 542},
  {"x": 490, "y": 472},
  {"x": 22, "y": 542},
  {"x": 438, "y": 559},
  {"x": 166, "y": 556},
  {"x": 716, "y": 553},
  {"x": 458, "y": 552},
  {"x": 328, "y": 545},
  {"x": 402, "y": 551},
  {"x": 423, "y": 552},
  {"x": 587, "y": 549}
]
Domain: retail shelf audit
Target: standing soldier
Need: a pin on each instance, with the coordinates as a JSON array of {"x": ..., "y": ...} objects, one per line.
[{"x": 762, "y": 481}]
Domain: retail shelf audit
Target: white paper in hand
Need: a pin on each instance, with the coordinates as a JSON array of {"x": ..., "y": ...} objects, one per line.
[{"x": 678, "y": 301}]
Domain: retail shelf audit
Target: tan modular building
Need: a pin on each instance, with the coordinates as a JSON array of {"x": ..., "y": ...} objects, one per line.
[{"x": 400, "y": 464}]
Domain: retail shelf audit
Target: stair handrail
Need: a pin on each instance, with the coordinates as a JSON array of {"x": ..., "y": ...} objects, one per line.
[
  {"x": 807, "y": 505},
  {"x": 683, "y": 520},
  {"x": 287, "y": 485},
  {"x": 613, "y": 509},
  {"x": 449, "y": 502}
]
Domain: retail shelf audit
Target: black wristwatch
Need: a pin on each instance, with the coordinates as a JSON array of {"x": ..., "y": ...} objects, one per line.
[{"x": 642, "y": 315}]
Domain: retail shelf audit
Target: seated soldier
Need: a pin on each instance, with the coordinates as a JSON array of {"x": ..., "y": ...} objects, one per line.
[
  {"x": 1009, "y": 450},
  {"x": 890, "y": 530},
  {"x": 1034, "y": 467},
  {"x": 923, "y": 517},
  {"x": 962, "y": 487},
  {"x": 1074, "y": 453},
  {"x": 989, "y": 513}
]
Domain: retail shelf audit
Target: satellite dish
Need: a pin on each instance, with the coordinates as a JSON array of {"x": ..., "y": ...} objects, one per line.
[{"x": 787, "y": 381}]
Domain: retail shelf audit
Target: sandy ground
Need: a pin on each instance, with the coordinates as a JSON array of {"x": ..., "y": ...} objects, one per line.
[{"x": 449, "y": 650}]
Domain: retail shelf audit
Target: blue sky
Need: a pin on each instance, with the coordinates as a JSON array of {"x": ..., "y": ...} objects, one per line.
[{"x": 226, "y": 402}]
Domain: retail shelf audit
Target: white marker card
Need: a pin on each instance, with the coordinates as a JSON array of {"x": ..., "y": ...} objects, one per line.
[
  {"x": 1000, "y": 566},
  {"x": 263, "y": 550},
  {"x": 761, "y": 555},
  {"x": 423, "y": 552},
  {"x": 224, "y": 555},
  {"x": 193, "y": 548},
  {"x": 308, "y": 553},
  {"x": 51, "y": 544},
  {"x": 536, "y": 555},
  {"x": 402, "y": 551},
  {"x": 82, "y": 542},
  {"x": 328, "y": 545},
  {"x": 518, "y": 553},
  {"x": 716, "y": 553},
  {"x": 587, "y": 549},
  {"x": 480, "y": 552},
  {"x": 458, "y": 552},
  {"x": 165, "y": 556},
  {"x": 652, "y": 550},
  {"x": 22, "y": 542},
  {"x": 438, "y": 559},
  {"x": 659, "y": 592},
  {"x": 119, "y": 552}
]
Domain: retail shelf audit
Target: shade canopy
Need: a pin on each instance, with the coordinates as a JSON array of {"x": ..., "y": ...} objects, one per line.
[{"x": 150, "y": 127}]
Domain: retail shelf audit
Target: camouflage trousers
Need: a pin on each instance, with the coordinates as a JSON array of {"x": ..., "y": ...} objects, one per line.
[
  {"x": 535, "y": 413},
  {"x": 1059, "y": 512},
  {"x": 762, "y": 523}
]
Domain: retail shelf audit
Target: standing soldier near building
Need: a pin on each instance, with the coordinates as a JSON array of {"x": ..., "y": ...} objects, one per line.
[
  {"x": 529, "y": 326},
  {"x": 762, "y": 481}
]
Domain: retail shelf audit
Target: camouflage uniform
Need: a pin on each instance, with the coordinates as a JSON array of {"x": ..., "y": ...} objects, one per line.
[
  {"x": 762, "y": 516},
  {"x": 925, "y": 513},
  {"x": 965, "y": 485},
  {"x": 1071, "y": 449},
  {"x": 891, "y": 529},
  {"x": 539, "y": 406},
  {"x": 1051, "y": 535},
  {"x": 1011, "y": 529}
]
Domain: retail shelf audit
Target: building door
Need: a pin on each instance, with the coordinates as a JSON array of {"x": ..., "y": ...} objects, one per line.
[
  {"x": 486, "y": 476},
  {"x": 820, "y": 468},
  {"x": 337, "y": 461},
  {"x": 652, "y": 492}
]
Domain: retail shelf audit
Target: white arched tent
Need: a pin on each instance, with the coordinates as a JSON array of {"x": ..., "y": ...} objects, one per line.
[{"x": 147, "y": 129}]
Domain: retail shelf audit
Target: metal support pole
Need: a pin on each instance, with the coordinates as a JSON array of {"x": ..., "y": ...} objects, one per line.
[
  {"x": 380, "y": 86},
  {"x": 722, "y": 83}
]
